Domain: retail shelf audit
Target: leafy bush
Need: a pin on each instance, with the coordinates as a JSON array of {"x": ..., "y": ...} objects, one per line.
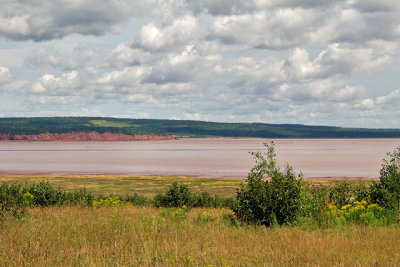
[
  {"x": 12, "y": 202},
  {"x": 205, "y": 200},
  {"x": 278, "y": 200},
  {"x": 136, "y": 199},
  {"x": 177, "y": 195},
  {"x": 315, "y": 207},
  {"x": 341, "y": 194},
  {"x": 80, "y": 196},
  {"x": 44, "y": 194},
  {"x": 361, "y": 213},
  {"x": 388, "y": 191}
]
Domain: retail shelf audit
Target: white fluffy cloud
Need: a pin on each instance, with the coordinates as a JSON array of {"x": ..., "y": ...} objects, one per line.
[
  {"x": 48, "y": 84},
  {"x": 336, "y": 60},
  {"x": 5, "y": 75},
  {"x": 278, "y": 29},
  {"x": 155, "y": 38},
  {"x": 391, "y": 100}
]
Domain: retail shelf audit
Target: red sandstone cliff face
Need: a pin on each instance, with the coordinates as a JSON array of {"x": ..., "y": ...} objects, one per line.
[{"x": 91, "y": 136}]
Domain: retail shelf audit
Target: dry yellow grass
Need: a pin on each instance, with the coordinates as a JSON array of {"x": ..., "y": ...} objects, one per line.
[{"x": 133, "y": 236}]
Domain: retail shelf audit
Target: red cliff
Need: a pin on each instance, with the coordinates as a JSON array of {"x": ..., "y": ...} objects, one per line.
[{"x": 91, "y": 136}]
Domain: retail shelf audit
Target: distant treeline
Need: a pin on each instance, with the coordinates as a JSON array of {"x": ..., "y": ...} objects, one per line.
[{"x": 183, "y": 128}]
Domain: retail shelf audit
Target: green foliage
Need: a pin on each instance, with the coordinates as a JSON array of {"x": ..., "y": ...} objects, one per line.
[
  {"x": 278, "y": 200},
  {"x": 177, "y": 195},
  {"x": 341, "y": 194},
  {"x": 109, "y": 202},
  {"x": 390, "y": 177},
  {"x": 44, "y": 194},
  {"x": 12, "y": 203},
  {"x": 360, "y": 212},
  {"x": 315, "y": 206},
  {"x": 136, "y": 199},
  {"x": 380, "y": 195},
  {"x": 204, "y": 199},
  {"x": 80, "y": 197}
]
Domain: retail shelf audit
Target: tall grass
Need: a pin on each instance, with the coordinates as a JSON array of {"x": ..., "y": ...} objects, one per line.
[{"x": 145, "y": 236}]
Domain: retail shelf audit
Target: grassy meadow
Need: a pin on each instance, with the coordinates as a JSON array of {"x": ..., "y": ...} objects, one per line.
[
  {"x": 144, "y": 236},
  {"x": 111, "y": 232}
]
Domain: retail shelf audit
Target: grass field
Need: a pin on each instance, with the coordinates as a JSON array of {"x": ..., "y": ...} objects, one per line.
[
  {"x": 149, "y": 185},
  {"x": 106, "y": 123},
  {"x": 132, "y": 236},
  {"x": 147, "y": 236}
]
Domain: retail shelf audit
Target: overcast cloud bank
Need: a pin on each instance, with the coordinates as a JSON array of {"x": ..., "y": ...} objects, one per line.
[{"x": 288, "y": 61}]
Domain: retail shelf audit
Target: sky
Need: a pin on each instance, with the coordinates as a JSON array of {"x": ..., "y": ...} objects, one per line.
[{"x": 315, "y": 62}]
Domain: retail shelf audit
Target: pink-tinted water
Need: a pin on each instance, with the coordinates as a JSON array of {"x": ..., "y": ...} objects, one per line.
[{"x": 211, "y": 157}]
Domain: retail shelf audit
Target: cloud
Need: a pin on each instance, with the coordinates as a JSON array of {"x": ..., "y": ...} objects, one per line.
[
  {"x": 377, "y": 6},
  {"x": 49, "y": 57},
  {"x": 220, "y": 7},
  {"x": 302, "y": 61},
  {"x": 5, "y": 76},
  {"x": 266, "y": 70},
  {"x": 293, "y": 3},
  {"x": 45, "y": 20},
  {"x": 273, "y": 29},
  {"x": 48, "y": 84},
  {"x": 336, "y": 60},
  {"x": 125, "y": 55},
  {"x": 391, "y": 100},
  {"x": 155, "y": 38}
]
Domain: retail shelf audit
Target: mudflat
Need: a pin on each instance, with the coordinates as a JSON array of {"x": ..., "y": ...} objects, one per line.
[{"x": 203, "y": 157}]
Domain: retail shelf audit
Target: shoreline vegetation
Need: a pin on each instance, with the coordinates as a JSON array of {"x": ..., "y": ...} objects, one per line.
[
  {"x": 274, "y": 217},
  {"x": 31, "y": 128}
]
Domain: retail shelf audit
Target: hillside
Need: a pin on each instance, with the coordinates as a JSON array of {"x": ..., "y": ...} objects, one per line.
[{"x": 181, "y": 128}]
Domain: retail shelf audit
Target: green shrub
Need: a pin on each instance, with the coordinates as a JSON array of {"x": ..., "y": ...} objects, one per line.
[
  {"x": 360, "y": 212},
  {"x": 205, "y": 200},
  {"x": 341, "y": 194},
  {"x": 80, "y": 197},
  {"x": 12, "y": 202},
  {"x": 136, "y": 199},
  {"x": 278, "y": 200},
  {"x": 315, "y": 207},
  {"x": 383, "y": 197},
  {"x": 44, "y": 194},
  {"x": 177, "y": 195},
  {"x": 388, "y": 191}
]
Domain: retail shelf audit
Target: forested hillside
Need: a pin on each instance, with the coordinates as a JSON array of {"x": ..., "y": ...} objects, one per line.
[{"x": 182, "y": 128}]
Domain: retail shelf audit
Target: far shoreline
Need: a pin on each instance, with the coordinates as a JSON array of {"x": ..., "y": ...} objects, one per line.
[{"x": 4, "y": 174}]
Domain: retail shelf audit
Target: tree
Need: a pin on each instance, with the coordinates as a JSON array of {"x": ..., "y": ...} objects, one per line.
[
  {"x": 390, "y": 175},
  {"x": 270, "y": 195}
]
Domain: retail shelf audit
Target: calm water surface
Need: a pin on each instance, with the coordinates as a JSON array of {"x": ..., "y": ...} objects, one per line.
[{"x": 195, "y": 157}]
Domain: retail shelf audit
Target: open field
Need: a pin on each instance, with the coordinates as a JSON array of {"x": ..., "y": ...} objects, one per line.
[
  {"x": 149, "y": 185},
  {"x": 132, "y": 236}
]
